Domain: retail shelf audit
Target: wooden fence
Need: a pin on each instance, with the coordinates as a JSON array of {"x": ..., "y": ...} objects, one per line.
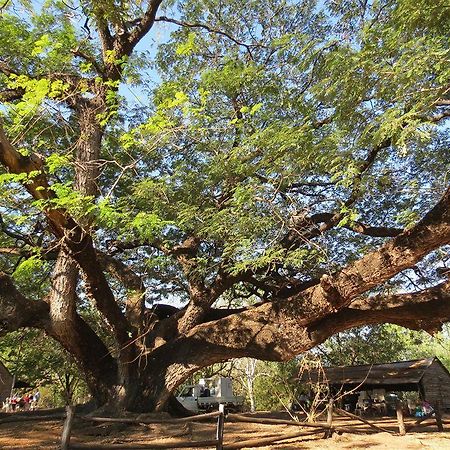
[
  {"x": 312, "y": 428},
  {"x": 303, "y": 428},
  {"x": 217, "y": 442}
]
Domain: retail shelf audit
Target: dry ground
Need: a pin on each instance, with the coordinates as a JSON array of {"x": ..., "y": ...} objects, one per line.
[{"x": 46, "y": 435}]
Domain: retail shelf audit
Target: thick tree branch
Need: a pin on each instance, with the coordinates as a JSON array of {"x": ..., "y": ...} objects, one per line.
[
  {"x": 276, "y": 326},
  {"x": 356, "y": 226},
  {"x": 90, "y": 59},
  {"x": 234, "y": 336},
  {"x": 132, "y": 282},
  {"x": 6, "y": 69},
  {"x": 143, "y": 26},
  {"x": 37, "y": 184},
  {"x": 106, "y": 38},
  {"x": 71, "y": 96},
  {"x": 308, "y": 227},
  {"x": 380, "y": 301},
  {"x": 424, "y": 310},
  {"x": 16, "y": 311},
  {"x": 79, "y": 244},
  {"x": 81, "y": 249},
  {"x": 302, "y": 231},
  {"x": 438, "y": 117},
  {"x": 9, "y": 95},
  {"x": 14, "y": 235}
]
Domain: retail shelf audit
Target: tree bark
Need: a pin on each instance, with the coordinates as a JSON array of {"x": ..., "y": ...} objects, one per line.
[
  {"x": 234, "y": 337},
  {"x": 75, "y": 335}
]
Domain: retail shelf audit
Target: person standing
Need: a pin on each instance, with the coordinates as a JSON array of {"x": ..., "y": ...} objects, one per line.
[{"x": 35, "y": 399}]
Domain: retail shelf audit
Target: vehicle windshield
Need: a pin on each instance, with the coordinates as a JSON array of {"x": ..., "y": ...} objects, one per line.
[{"x": 187, "y": 392}]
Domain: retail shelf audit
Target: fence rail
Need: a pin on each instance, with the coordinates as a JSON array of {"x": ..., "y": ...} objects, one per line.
[
  {"x": 217, "y": 442},
  {"x": 314, "y": 428},
  {"x": 307, "y": 428}
]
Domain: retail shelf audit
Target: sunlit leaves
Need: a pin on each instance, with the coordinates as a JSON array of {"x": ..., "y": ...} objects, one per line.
[
  {"x": 240, "y": 130},
  {"x": 147, "y": 226},
  {"x": 186, "y": 48},
  {"x": 26, "y": 271}
]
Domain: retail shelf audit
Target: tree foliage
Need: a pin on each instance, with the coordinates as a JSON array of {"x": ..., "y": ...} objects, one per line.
[
  {"x": 383, "y": 344},
  {"x": 42, "y": 364},
  {"x": 264, "y": 175}
]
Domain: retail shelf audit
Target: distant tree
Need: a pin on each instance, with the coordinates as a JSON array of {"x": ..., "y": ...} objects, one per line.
[
  {"x": 291, "y": 153},
  {"x": 367, "y": 345},
  {"x": 37, "y": 360},
  {"x": 275, "y": 387},
  {"x": 246, "y": 372},
  {"x": 382, "y": 344}
]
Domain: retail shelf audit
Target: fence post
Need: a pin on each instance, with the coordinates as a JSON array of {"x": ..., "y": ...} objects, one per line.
[
  {"x": 438, "y": 416},
  {"x": 401, "y": 423},
  {"x": 329, "y": 431},
  {"x": 220, "y": 427},
  {"x": 67, "y": 429}
]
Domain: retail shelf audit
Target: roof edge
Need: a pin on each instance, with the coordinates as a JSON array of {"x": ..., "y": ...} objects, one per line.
[{"x": 430, "y": 359}]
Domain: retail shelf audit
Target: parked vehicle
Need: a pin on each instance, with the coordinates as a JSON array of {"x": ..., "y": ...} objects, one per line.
[{"x": 207, "y": 395}]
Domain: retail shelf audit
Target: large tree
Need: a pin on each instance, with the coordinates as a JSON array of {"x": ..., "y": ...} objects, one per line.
[{"x": 269, "y": 174}]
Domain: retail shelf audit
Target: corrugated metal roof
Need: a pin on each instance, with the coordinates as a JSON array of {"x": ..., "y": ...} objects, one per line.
[{"x": 396, "y": 373}]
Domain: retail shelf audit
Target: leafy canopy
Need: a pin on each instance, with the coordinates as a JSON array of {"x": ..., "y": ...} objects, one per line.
[{"x": 265, "y": 114}]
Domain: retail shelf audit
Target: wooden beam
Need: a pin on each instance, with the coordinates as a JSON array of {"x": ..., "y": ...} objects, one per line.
[
  {"x": 197, "y": 418},
  {"x": 220, "y": 427},
  {"x": 329, "y": 431},
  {"x": 400, "y": 421},
  {"x": 19, "y": 418},
  {"x": 67, "y": 429},
  {"x": 149, "y": 446},
  {"x": 267, "y": 421}
]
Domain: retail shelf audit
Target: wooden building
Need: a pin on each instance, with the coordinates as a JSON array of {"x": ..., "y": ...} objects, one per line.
[
  {"x": 6, "y": 381},
  {"x": 428, "y": 377}
]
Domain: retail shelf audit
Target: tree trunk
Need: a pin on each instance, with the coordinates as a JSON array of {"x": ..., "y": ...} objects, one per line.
[
  {"x": 250, "y": 375},
  {"x": 88, "y": 148}
]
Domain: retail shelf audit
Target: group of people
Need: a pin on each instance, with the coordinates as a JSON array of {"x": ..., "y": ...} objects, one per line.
[
  {"x": 25, "y": 402},
  {"x": 422, "y": 410}
]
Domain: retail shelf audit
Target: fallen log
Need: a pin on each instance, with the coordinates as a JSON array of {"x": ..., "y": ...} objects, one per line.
[
  {"x": 262, "y": 442},
  {"x": 354, "y": 416},
  {"x": 34, "y": 412}
]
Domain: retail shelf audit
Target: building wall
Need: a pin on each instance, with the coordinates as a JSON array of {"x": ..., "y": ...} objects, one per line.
[
  {"x": 5, "y": 383},
  {"x": 436, "y": 385}
]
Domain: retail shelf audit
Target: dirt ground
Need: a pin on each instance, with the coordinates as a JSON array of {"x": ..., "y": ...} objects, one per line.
[{"x": 33, "y": 435}]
